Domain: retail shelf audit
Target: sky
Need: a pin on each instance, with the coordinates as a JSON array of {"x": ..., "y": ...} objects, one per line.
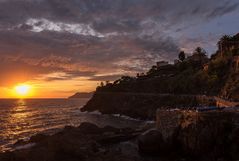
[{"x": 62, "y": 47}]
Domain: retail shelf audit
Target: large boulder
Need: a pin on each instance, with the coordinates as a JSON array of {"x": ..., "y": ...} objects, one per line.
[
  {"x": 151, "y": 143},
  {"x": 89, "y": 128}
]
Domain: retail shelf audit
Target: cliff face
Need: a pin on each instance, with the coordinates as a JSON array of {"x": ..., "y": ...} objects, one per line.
[{"x": 142, "y": 106}]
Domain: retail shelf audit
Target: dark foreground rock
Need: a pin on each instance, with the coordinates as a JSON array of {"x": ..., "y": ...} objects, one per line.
[
  {"x": 151, "y": 143},
  {"x": 85, "y": 143}
]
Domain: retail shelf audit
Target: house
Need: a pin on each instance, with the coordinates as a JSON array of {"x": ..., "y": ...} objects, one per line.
[{"x": 162, "y": 63}]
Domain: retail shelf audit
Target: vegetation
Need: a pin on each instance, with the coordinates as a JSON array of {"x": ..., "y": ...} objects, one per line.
[
  {"x": 182, "y": 56},
  {"x": 196, "y": 74}
]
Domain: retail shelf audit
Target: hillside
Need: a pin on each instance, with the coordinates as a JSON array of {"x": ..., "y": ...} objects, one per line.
[{"x": 196, "y": 75}]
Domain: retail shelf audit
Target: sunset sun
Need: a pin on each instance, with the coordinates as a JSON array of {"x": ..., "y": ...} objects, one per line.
[{"x": 22, "y": 90}]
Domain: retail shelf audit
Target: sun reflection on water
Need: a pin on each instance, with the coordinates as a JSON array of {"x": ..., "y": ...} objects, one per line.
[
  {"x": 18, "y": 112},
  {"x": 19, "y": 117}
]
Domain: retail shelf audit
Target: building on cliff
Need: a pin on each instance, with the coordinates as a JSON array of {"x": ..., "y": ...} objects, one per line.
[{"x": 162, "y": 63}]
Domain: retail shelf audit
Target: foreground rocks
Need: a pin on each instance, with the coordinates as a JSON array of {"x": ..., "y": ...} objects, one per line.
[
  {"x": 209, "y": 136},
  {"x": 87, "y": 142}
]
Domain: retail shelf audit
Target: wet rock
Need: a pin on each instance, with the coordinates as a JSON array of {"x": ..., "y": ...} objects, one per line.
[
  {"x": 20, "y": 142},
  {"x": 38, "y": 138},
  {"x": 86, "y": 143}
]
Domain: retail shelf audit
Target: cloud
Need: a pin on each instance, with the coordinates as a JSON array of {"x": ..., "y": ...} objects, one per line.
[
  {"x": 39, "y": 25},
  {"x": 93, "y": 38}
]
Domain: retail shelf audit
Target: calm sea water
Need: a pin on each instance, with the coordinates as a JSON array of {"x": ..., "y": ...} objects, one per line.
[{"x": 20, "y": 119}]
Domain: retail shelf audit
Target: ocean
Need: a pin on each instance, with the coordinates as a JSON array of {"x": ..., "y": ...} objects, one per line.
[{"x": 20, "y": 119}]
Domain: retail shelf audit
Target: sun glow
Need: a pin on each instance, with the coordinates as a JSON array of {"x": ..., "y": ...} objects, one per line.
[{"x": 23, "y": 90}]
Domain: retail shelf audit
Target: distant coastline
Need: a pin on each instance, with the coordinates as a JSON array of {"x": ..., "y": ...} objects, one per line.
[{"x": 81, "y": 95}]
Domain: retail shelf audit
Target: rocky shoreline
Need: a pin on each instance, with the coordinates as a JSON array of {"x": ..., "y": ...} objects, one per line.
[
  {"x": 206, "y": 136},
  {"x": 86, "y": 142}
]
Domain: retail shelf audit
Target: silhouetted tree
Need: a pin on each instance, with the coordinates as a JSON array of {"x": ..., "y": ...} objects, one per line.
[
  {"x": 101, "y": 84},
  {"x": 200, "y": 51},
  {"x": 181, "y": 56},
  {"x": 224, "y": 42},
  {"x": 225, "y": 38}
]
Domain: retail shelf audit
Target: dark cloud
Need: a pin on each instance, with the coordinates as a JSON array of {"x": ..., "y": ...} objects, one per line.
[
  {"x": 88, "y": 38},
  {"x": 225, "y": 8},
  {"x": 119, "y": 14}
]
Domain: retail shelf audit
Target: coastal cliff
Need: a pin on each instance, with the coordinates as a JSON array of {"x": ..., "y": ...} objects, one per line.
[{"x": 142, "y": 105}]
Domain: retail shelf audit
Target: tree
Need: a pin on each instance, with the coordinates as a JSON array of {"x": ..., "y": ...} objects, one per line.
[
  {"x": 101, "y": 84},
  {"x": 224, "y": 42},
  {"x": 225, "y": 38},
  {"x": 200, "y": 51},
  {"x": 181, "y": 56}
]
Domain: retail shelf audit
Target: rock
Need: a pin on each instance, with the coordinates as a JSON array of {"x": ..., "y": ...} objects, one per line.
[
  {"x": 151, "y": 143},
  {"x": 114, "y": 139},
  {"x": 111, "y": 129},
  {"x": 38, "y": 138},
  {"x": 20, "y": 142},
  {"x": 74, "y": 144},
  {"x": 128, "y": 149},
  {"x": 89, "y": 128}
]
